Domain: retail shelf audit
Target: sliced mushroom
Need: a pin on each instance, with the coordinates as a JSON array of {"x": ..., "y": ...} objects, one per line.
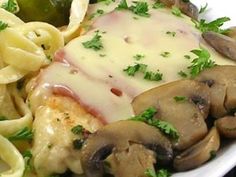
[
  {"x": 232, "y": 32},
  {"x": 227, "y": 126},
  {"x": 118, "y": 137},
  {"x": 222, "y": 83},
  {"x": 223, "y": 44},
  {"x": 187, "y": 8},
  {"x": 186, "y": 116},
  {"x": 198, "y": 153}
]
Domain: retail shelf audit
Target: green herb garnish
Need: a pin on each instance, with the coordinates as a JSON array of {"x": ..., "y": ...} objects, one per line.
[
  {"x": 10, "y": 6},
  {"x": 27, "y": 155},
  {"x": 138, "y": 57},
  {"x": 203, "y": 8},
  {"x": 182, "y": 74},
  {"x": 78, "y": 143},
  {"x": 165, "y": 54},
  {"x": 214, "y": 26},
  {"x": 3, "y": 25},
  {"x": 187, "y": 57},
  {"x": 132, "y": 70},
  {"x": 158, "y": 5},
  {"x": 77, "y": 130},
  {"x": 171, "y": 33},
  {"x": 24, "y": 134},
  {"x": 95, "y": 43},
  {"x": 149, "y": 75},
  {"x": 98, "y": 13},
  {"x": 159, "y": 173},
  {"x": 212, "y": 154},
  {"x": 122, "y": 5},
  {"x": 148, "y": 117},
  {"x": 176, "y": 11},
  {"x": 180, "y": 98},
  {"x": 200, "y": 63},
  {"x": 140, "y": 8}
]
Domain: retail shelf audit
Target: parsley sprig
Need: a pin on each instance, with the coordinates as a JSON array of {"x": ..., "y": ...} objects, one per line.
[
  {"x": 98, "y": 13},
  {"x": 159, "y": 173},
  {"x": 142, "y": 68},
  {"x": 214, "y": 25},
  {"x": 10, "y": 6},
  {"x": 24, "y": 134},
  {"x": 176, "y": 11},
  {"x": 200, "y": 63},
  {"x": 3, "y": 25},
  {"x": 203, "y": 8},
  {"x": 139, "y": 8},
  {"x": 158, "y": 5},
  {"x": 27, "y": 155},
  {"x": 148, "y": 117},
  {"x": 95, "y": 43}
]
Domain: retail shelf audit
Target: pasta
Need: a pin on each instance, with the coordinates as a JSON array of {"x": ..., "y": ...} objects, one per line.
[
  {"x": 12, "y": 157},
  {"x": 24, "y": 48}
]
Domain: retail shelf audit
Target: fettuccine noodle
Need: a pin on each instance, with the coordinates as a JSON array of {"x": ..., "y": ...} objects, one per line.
[{"x": 24, "y": 48}]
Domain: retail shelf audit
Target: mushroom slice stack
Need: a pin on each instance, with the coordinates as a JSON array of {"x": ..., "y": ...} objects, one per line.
[
  {"x": 225, "y": 45},
  {"x": 184, "y": 104},
  {"x": 120, "y": 138},
  {"x": 222, "y": 83},
  {"x": 187, "y": 8},
  {"x": 227, "y": 126},
  {"x": 198, "y": 153}
]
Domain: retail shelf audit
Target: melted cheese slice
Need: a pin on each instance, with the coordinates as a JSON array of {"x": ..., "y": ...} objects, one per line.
[{"x": 96, "y": 78}]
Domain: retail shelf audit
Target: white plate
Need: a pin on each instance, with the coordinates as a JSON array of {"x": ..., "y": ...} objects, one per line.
[{"x": 226, "y": 158}]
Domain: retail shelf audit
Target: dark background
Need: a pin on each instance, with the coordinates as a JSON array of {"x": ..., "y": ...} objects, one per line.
[{"x": 232, "y": 173}]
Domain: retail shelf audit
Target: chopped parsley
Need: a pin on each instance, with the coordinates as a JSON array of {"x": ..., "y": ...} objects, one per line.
[
  {"x": 176, "y": 11},
  {"x": 102, "y": 55},
  {"x": 203, "y": 8},
  {"x": 183, "y": 74},
  {"x": 180, "y": 98},
  {"x": 122, "y": 5},
  {"x": 149, "y": 75},
  {"x": 3, "y": 25},
  {"x": 148, "y": 117},
  {"x": 27, "y": 155},
  {"x": 171, "y": 33},
  {"x": 78, "y": 143},
  {"x": 158, "y": 5},
  {"x": 132, "y": 70},
  {"x": 214, "y": 26},
  {"x": 200, "y": 63},
  {"x": 98, "y": 13},
  {"x": 159, "y": 173},
  {"x": 212, "y": 154},
  {"x": 77, "y": 130},
  {"x": 138, "y": 57},
  {"x": 187, "y": 57},
  {"x": 95, "y": 43},
  {"x": 24, "y": 134},
  {"x": 165, "y": 54},
  {"x": 10, "y": 6},
  {"x": 2, "y": 118},
  {"x": 140, "y": 8}
]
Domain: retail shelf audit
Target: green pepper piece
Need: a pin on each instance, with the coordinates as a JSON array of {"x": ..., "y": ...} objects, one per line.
[{"x": 55, "y": 12}]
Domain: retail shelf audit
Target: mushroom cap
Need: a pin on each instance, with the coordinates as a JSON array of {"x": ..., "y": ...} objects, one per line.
[
  {"x": 186, "y": 116},
  {"x": 198, "y": 153},
  {"x": 119, "y": 136},
  {"x": 227, "y": 126},
  {"x": 187, "y": 8},
  {"x": 223, "y": 44},
  {"x": 222, "y": 83},
  {"x": 232, "y": 32}
]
